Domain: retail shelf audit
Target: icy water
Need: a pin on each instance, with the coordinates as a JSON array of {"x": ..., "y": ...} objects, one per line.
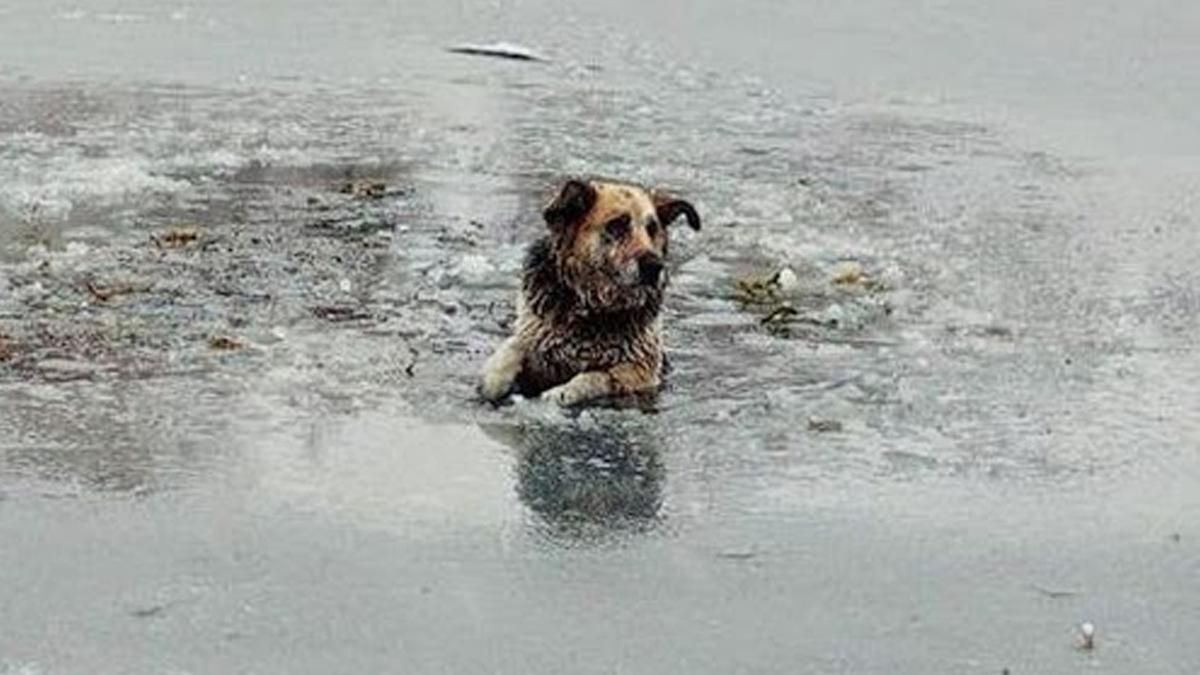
[{"x": 251, "y": 259}]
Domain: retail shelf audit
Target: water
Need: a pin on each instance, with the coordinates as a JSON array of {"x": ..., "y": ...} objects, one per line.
[{"x": 944, "y": 469}]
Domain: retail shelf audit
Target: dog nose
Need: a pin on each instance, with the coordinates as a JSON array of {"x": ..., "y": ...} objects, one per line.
[{"x": 650, "y": 269}]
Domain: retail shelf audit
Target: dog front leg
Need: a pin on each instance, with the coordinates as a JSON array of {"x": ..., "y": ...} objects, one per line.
[
  {"x": 501, "y": 370},
  {"x": 618, "y": 381}
]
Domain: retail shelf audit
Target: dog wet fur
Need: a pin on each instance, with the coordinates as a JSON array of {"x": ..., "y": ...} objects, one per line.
[{"x": 588, "y": 312}]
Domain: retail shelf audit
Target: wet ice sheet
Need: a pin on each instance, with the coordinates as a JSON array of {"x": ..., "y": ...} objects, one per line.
[{"x": 362, "y": 539}]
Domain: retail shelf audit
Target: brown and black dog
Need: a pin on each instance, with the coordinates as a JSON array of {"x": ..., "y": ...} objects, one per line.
[{"x": 587, "y": 317}]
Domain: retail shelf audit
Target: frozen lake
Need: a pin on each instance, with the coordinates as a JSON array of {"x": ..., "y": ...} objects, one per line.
[{"x": 237, "y": 429}]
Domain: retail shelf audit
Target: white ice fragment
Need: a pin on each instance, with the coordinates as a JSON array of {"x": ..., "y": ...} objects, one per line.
[
  {"x": 1087, "y": 633},
  {"x": 787, "y": 280},
  {"x": 474, "y": 268}
]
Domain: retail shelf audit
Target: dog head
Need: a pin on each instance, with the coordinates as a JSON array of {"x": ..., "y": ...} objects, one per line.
[{"x": 611, "y": 241}]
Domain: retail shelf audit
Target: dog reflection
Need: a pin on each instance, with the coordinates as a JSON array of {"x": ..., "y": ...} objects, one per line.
[{"x": 587, "y": 482}]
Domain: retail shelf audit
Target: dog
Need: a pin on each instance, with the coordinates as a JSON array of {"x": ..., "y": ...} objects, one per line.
[{"x": 588, "y": 323}]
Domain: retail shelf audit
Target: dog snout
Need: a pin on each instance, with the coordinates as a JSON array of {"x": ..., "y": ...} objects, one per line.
[{"x": 650, "y": 269}]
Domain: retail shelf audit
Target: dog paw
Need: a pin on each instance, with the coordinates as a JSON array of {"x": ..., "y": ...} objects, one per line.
[
  {"x": 565, "y": 395},
  {"x": 570, "y": 394},
  {"x": 494, "y": 386}
]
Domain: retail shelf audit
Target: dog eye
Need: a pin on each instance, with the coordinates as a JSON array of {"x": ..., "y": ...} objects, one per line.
[
  {"x": 652, "y": 228},
  {"x": 617, "y": 228}
]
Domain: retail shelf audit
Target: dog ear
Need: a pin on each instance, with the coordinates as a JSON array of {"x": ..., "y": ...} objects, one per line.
[
  {"x": 573, "y": 202},
  {"x": 669, "y": 208}
]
